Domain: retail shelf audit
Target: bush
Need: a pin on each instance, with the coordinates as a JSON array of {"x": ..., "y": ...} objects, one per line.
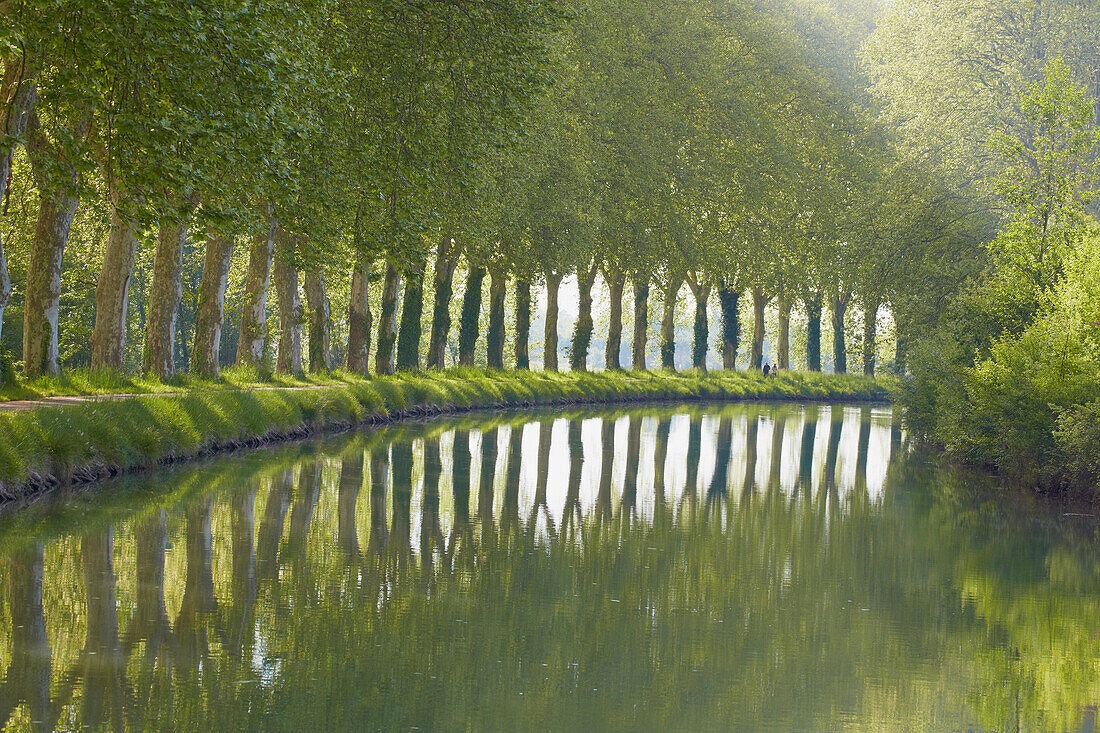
[{"x": 1077, "y": 436}]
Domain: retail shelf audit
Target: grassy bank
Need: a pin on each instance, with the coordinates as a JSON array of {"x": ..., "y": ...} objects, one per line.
[{"x": 52, "y": 446}]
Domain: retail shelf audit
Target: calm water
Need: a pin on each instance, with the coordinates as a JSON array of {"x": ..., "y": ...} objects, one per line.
[{"x": 758, "y": 568}]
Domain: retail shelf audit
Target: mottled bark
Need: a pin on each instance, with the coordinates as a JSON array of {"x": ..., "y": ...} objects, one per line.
[
  {"x": 469, "y": 328},
  {"x": 729, "y": 299},
  {"x": 412, "y": 318},
  {"x": 210, "y": 315},
  {"x": 760, "y": 301},
  {"x": 700, "y": 343},
  {"x": 359, "y": 319},
  {"x": 446, "y": 260},
  {"x": 20, "y": 96},
  {"x": 783, "y": 347},
  {"x": 641, "y": 322},
  {"x": 57, "y": 206},
  {"x": 253, "y": 336},
  {"x": 838, "y": 305},
  {"x": 523, "y": 323},
  {"x": 165, "y": 294},
  {"x": 387, "y": 321},
  {"x": 616, "y": 282},
  {"x": 550, "y": 328},
  {"x": 813, "y": 331},
  {"x": 668, "y": 324},
  {"x": 320, "y": 323},
  {"x": 112, "y": 291},
  {"x": 494, "y": 337},
  {"x": 870, "y": 332},
  {"x": 582, "y": 331},
  {"x": 287, "y": 292}
]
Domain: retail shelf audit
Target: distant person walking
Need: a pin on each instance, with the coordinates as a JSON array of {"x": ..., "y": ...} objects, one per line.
[{"x": 767, "y": 368}]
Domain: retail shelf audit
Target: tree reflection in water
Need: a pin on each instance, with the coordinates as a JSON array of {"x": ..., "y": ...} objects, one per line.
[{"x": 819, "y": 576}]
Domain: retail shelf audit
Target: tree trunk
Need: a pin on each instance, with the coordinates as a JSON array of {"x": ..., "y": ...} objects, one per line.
[
  {"x": 387, "y": 321},
  {"x": 165, "y": 294},
  {"x": 359, "y": 319},
  {"x": 783, "y": 348},
  {"x": 523, "y": 323},
  {"x": 870, "y": 328},
  {"x": 641, "y": 322},
  {"x": 469, "y": 327},
  {"x": 56, "y": 209},
  {"x": 759, "y": 303},
  {"x": 839, "y": 306},
  {"x": 112, "y": 292},
  {"x": 582, "y": 332},
  {"x": 668, "y": 324},
  {"x": 210, "y": 314},
  {"x": 253, "y": 335},
  {"x": 729, "y": 299},
  {"x": 701, "y": 341},
  {"x": 320, "y": 324},
  {"x": 16, "y": 114},
  {"x": 901, "y": 354},
  {"x": 813, "y": 331},
  {"x": 412, "y": 318},
  {"x": 289, "y": 360},
  {"x": 445, "y": 263},
  {"x": 498, "y": 291},
  {"x": 550, "y": 329},
  {"x": 615, "y": 283}
]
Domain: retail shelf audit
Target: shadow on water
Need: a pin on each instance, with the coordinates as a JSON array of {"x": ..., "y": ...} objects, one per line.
[{"x": 750, "y": 567}]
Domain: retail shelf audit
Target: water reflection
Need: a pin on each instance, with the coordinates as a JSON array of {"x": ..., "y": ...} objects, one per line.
[{"x": 746, "y": 567}]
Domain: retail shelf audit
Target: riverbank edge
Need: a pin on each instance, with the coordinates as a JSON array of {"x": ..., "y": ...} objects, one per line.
[{"x": 53, "y": 447}]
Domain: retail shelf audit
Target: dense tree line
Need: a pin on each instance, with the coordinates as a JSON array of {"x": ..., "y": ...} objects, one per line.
[{"x": 184, "y": 173}]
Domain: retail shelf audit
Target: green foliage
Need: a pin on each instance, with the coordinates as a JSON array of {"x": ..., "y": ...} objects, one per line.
[{"x": 1006, "y": 410}]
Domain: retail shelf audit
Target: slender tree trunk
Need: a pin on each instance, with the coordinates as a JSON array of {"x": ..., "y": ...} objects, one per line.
[
  {"x": 701, "y": 342},
  {"x": 870, "y": 328},
  {"x": 729, "y": 298},
  {"x": 387, "y": 321},
  {"x": 469, "y": 327},
  {"x": 210, "y": 314},
  {"x": 550, "y": 329},
  {"x": 901, "y": 354},
  {"x": 641, "y": 321},
  {"x": 290, "y": 306},
  {"x": 359, "y": 318},
  {"x": 18, "y": 74},
  {"x": 445, "y": 263},
  {"x": 668, "y": 324},
  {"x": 494, "y": 338},
  {"x": 523, "y": 323},
  {"x": 839, "y": 306},
  {"x": 56, "y": 209},
  {"x": 165, "y": 294},
  {"x": 320, "y": 324},
  {"x": 412, "y": 318},
  {"x": 112, "y": 291},
  {"x": 813, "y": 331},
  {"x": 253, "y": 336},
  {"x": 616, "y": 282},
  {"x": 759, "y": 304},
  {"x": 783, "y": 349},
  {"x": 582, "y": 332}
]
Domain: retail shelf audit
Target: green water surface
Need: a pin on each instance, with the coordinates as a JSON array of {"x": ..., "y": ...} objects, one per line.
[{"x": 744, "y": 567}]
